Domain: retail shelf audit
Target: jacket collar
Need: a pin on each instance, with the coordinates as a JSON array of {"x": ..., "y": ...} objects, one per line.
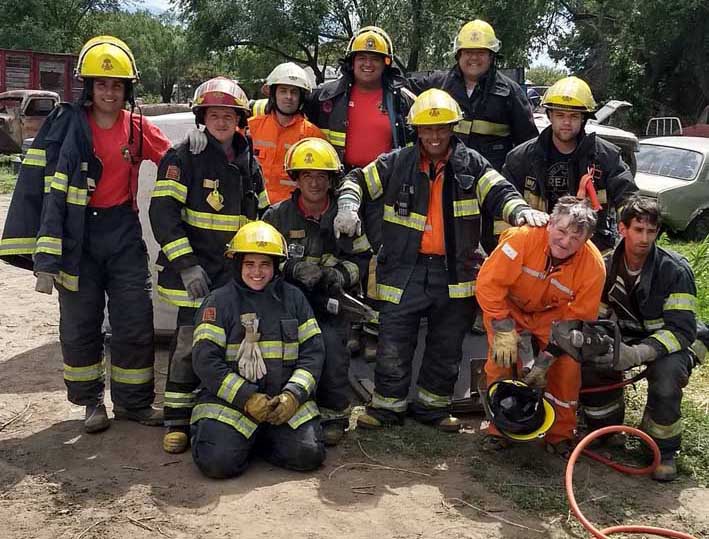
[
  {"x": 648, "y": 271},
  {"x": 586, "y": 143}
]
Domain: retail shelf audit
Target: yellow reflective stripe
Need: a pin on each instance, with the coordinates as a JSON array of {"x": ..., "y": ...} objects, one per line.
[
  {"x": 211, "y": 221},
  {"x": 177, "y": 297},
  {"x": 510, "y": 206},
  {"x": 304, "y": 379},
  {"x": 49, "y": 245},
  {"x": 259, "y": 107},
  {"x": 464, "y": 208},
  {"x": 486, "y": 182},
  {"x": 79, "y": 197},
  {"x": 462, "y": 290},
  {"x": 388, "y": 403},
  {"x": 431, "y": 399},
  {"x": 170, "y": 188},
  {"x": 17, "y": 246},
  {"x": 653, "y": 325},
  {"x": 336, "y": 138},
  {"x": 602, "y": 195},
  {"x": 271, "y": 349},
  {"x": 328, "y": 260},
  {"x": 661, "y": 432},
  {"x": 229, "y": 416},
  {"x": 361, "y": 244},
  {"x": 35, "y": 158},
  {"x": 389, "y": 293},
  {"x": 290, "y": 351},
  {"x": 88, "y": 373},
  {"x": 177, "y": 248},
  {"x": 60, "y": 182},
  {"x": 601, "y": 412},
  {"x": 499, "y": 226},
  {"x": 175, "y": 399},
  {"x": 230, "y": 386},
  {"x": 48, "y": 183},
  {"x": 209, "y": 332},
  {"x": 680, "y": 302},
  {"x": 352, "y": 270},
  {"x": 603, "y": 311},
  {"x": 463, "y": 127},
  {"x": 70, "y": 282},
  {"x": 373, "y": 181},
  {"x": 413, "y": 220},
  {"x": 482, "y": 127},
  {"x": 307, "y": 411},
  {"x": 231, "y": 351},
  {"x": 131, "y": 376},
  {"x": 307, "y": 329},
  {"x": 263, "y": 201},
  {"x": 667, "y": 339}
]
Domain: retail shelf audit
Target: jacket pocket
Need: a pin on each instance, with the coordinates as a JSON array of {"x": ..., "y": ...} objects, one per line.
[{"x": 289, "y": 334}]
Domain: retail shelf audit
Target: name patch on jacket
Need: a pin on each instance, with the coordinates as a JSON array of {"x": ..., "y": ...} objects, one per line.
[
  {"x": 296, "y": 234},
  {"x": 209, "y": 314}
]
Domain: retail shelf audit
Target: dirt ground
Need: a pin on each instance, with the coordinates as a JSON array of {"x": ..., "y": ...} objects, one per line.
[{"x": 57, "y": 482}]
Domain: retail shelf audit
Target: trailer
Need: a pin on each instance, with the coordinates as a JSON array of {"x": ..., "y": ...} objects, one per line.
[{"x": 31, "y": 70}]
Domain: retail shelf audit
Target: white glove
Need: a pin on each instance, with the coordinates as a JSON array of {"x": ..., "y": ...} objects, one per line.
[
  {"x": 347, "y": 220},
  {"x": 532, "y": 218},
  {"x": 197, "y": 140},
  {"x": 249, "y": 357}
]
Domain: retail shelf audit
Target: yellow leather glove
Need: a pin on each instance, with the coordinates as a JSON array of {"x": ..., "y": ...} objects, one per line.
[
  {"x": 284, "y": 406},
  {"x": 258, "y": 406},
  {"x": 504, "y": 342}
]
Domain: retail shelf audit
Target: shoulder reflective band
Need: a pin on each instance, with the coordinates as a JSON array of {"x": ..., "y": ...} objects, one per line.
[
  {"x": 170, "y": 188},
  {"x": 486, "y": 182},
  {"x": 308, "y": 329},
  {"x": 210, "y": 332},
  {"x": 683, "y": 302},
  {"x": 371, "y": 178}
]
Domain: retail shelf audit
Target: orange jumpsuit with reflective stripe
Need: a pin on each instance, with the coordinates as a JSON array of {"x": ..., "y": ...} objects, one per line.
[
  {"x": 271, "y": 141},
  {"x": 518, "y": 281}
]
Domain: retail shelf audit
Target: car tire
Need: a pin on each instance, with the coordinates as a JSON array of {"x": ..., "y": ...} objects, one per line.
[{"x": 698, "y": 229}]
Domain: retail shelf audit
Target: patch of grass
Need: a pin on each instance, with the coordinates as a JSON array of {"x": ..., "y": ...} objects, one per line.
[
  {"x": 698, "y": 255},
  {"x": 7, "y": 175}
]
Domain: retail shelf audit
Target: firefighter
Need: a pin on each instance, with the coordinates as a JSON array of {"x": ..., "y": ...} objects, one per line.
[
  {"x": 258, "y": 352},
  {"x": 82, "y": 174},
  {"x": 496, "y": 112},
  {"x": 534, "y": 277},
  {"x": 652, "y": 293},
  {"x": 363, "y": 114},
  {"x": 198, "y": 203},
  {"x": 433, "y": 195},
  {"x": 554, "y": 164},
  {"x": 322, "y": 266}
]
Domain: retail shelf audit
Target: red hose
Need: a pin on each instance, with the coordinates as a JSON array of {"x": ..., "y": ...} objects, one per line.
[{"x": 569, "y": 478}]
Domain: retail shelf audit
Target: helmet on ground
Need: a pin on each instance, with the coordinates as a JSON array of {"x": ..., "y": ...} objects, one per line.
[
  {"x": 569, "y": 93},
  {"x": 106, "y": 56},
  {"x": 371, "y": 39},
  {"x": 220, "y": 92},
  {"x": 257, "y": 237},
  {"x": 291, "y": 74},
  {"x": 476, "y": 34},
  {"x": 518, "y": 411},
  {"x": 312, "y": 154},
  {"x": 434, "y": 107}
]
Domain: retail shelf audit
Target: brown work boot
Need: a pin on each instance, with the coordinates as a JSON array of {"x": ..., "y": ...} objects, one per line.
[
  {"x": 96, "y": 419},
  {"x": 333, "y": 432},
  {"x": 175, "y": 441},
  {"x": 449, "y": 424},
  {"x": 492, "y": 443},
  {"x": 148, "y": 415},
  {"x": 367, "y": 421},
  {"x": 666, "y": 470}
]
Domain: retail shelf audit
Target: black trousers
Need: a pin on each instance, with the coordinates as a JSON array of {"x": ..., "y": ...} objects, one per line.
[
  {"x": 332, "y": 394},
  {"x": 662, "y": 418},
  {"x": 220, "y": 451},
  {"x": 114, "y": 262},
  {"x": 181, "y": 379},
  {"x": 426, "y": 295}
]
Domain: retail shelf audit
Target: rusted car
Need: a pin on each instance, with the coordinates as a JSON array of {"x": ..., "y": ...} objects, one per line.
[{"x": 22, "y": 113}]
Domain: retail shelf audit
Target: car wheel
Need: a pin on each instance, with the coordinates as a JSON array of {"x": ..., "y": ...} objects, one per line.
[{"x": 698, "y": 229}]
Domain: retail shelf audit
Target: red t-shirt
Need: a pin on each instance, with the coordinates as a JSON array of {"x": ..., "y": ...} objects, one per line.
[
  {"x": 368, "y": 127},
  {"x": 114, "y": 186}
]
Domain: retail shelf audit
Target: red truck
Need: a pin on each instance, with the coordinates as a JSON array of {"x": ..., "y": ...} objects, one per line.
[{"x": 30, "y": 70}]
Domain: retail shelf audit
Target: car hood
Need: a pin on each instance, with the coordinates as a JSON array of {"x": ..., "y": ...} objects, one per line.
[{"x": 652, "y": 185}]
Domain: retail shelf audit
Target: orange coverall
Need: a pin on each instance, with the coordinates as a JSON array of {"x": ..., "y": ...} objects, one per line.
[
  {"x": 518, "y": 281},
  {"x": 271, "y": 142}
]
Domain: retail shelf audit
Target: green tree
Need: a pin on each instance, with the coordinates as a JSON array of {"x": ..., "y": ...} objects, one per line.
[{"x": 545, "y": 75}]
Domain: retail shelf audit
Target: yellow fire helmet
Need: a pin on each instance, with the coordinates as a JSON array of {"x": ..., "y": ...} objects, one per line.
[
  {"x": 257, "y": 237},
  {"x": 312, "y": 154},
  {"x": 569, "y": 93},
  {"x": 476, "y": 34},
  {"x": 434, "y": 107},
  {"x": 518, "y": 411},
  {"x": 106, "y": 56},
  {"x": 372, "y": 39}
]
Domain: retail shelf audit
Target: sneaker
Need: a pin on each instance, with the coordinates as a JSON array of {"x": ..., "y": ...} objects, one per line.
[
  {"x": 666, "y": 470},
  {"x": 333, "y": 432},
  {"x": 148, "y": 415},
  {"x": 175, "y": 441},
  {"x": 96, "y": 419}
]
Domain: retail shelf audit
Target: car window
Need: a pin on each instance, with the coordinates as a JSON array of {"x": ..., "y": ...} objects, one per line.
[
  {"x": 39, "y": 107},
  {"x": 671, "y": 162},
  {"x": 9, "y": 103}
]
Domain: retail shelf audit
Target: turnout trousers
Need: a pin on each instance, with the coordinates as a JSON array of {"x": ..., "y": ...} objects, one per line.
[
  {"x": 220, "y": 451},
  {"x": 425, "y": 296},
  {"x": 662, "y": 418},
  {"x": 181, "y": 381},
  {"x": 114, "y": 263},
  {"x": 332, "y": 395}
]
